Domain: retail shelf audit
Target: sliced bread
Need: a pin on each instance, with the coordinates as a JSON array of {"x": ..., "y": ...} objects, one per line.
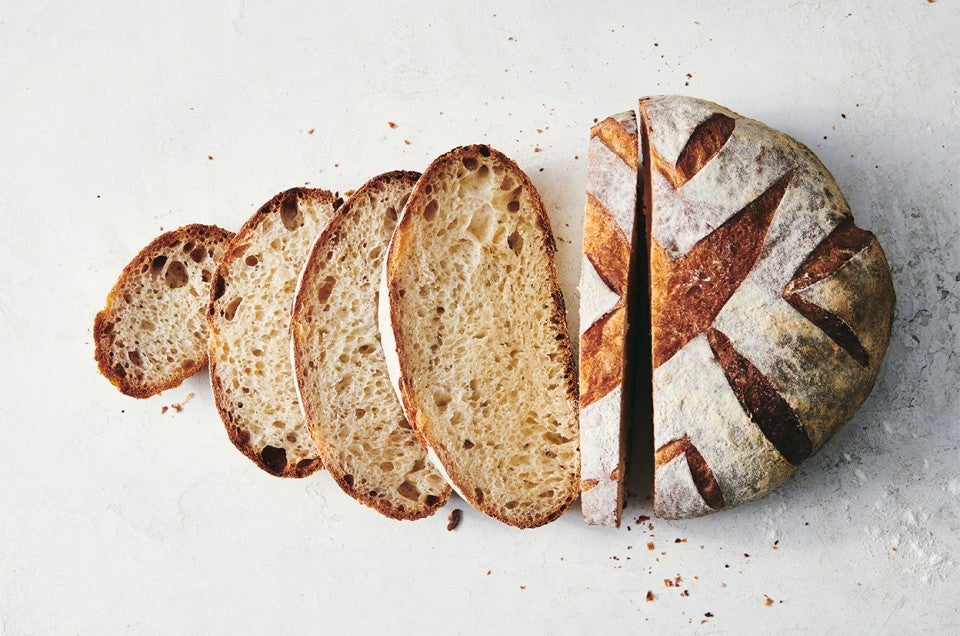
[
  {"x": 355, "y": 419},
  {"x": 249, "y": 318},
  {"x": 151, "y": 334},
  {"x": 473, "y": 326},
  {"x": 606, "y": 316}
]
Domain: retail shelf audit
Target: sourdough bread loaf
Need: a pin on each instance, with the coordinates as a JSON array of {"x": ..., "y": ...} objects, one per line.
[
  {"x": 249, "y": 317},
  {"x": 771, "y": 309},
  {"x": 356, "y": 421},
  {"x": 609, "y": 234},
  {"x": 151, "y": 335},
  {"x": 473, "y": 326}
]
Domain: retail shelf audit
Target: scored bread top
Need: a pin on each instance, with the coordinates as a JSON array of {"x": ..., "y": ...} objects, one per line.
[
  {"x": 771, "y": 310},
  {"x": 249, "y": 317},
  {"x": 151, "y": 335},
  {"x": 477, "y": 333},
  {"x": 355, "y": 419}
]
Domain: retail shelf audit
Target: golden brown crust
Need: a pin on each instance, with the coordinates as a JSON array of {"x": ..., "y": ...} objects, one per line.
[
  {"x": 103, "y": 322},
  {"x": 558, "y": 318},
  {"x": 309, "y": 273},
  {"x": 269, "y": 461}
]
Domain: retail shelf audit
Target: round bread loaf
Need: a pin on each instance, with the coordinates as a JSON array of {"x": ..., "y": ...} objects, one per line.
[{"x": 771, "y": 310}]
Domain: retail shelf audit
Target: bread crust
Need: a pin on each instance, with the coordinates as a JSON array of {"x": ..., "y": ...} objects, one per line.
[
  {"x": 102, "y": 323},
  {"x": 333, "y": 228},
  {"x": 761, "y": 352},
  {"x": 558, "y": 315},
  {"x": 238, "y": 435}
]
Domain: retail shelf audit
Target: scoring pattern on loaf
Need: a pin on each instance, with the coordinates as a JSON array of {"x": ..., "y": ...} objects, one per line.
[
  {"x": 608, "y": 235},
  {"x": 771, "y": 310}
]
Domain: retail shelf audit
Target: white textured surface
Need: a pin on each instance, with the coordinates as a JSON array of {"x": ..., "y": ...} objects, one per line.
[{"x": 115, "y": 518}]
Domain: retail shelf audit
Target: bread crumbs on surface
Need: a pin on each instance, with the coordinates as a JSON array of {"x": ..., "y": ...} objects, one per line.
[
  {"x": 406, "y": 142},
  {"x": 708, "y": 614},
  {"x": 767, "y": 600},
  {"x": 642, "y": 519},
  {"x": 209, "y": 157},
  {"x": 164, "y": 409},
  {"x": 536, "y": 148},
  {"x": 488, "y": 572},
  {"x": 679, "y": 540},
  {"x": 179, "y": 407},
  {"x": 650, "y": 596},
  {"x": 523, "y": 587},
  {"x": 311, "y": 131},
  {"x": 650, "y": 545},
  {"x": 391, "y": 124},
  {"x": 453, "y": 520}
]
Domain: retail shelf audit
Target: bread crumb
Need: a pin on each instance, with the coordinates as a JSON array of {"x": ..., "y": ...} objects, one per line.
[
  {"x": 650, "y": 596},
  {"x": 310, "y": 132},
  {"x": 179, "y": 407},
  {"x": 523, "y": 587},
  {"x": 406, "y": 142},
  {"x": 536, "y": 148},
  {"x": 391, "y": 124},
  {"x": 209, "y": 157},
  {"x": 650, "y": 545},
  {"x": 488, "y": 572},
  {"x": 768, "y": 602},
  {"x": 453, "y": 520},
  {"x": 164, "y": 409},
  {"x": 708, "y": 614},
  {"x": 667, "y": 583}
]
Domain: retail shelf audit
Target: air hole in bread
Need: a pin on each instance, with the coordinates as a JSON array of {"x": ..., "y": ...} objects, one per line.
[
  {"x": 188, "y": 246},
  {"x": 156, "y": 266},
  {"x": 292, "y": 437},
  {"x": 251, "y": 260},
  {"x": 348, "y": 479},
  {"x": 508, "y": 184},
  {"x": 478, "y": 493},
  {"x": 323, "y": 293},
  {"x": 546, "y": 494},
  {"x": 467, "y": 444},
  {"x": 440, "y": 310},
  {"x": 198, "y": 254},
  {"x": 470, "y": 163},
  {"x": 176, "y": 275},
  {"x": 290, "y": 213},
  {"x": 513, "y": 206},
  {"x": 405, "y": 424},
  {"x": 359, "y": 413},
  {"x": 205, "y": 275},
  {"x": 430, "y": 211},
  {"x": 418, "y": 465},
  {"x": 441, "y": 399},
  {"x": 231, "y": 309},
  {"x": 409, "y": 491},
  {"x": 694, "y": 291},
  {"x": 366, "y": 349},
  {"x": 274, "y": 459},
  {"x": 515, "y": 242},
  {"x": 187, "y": 364},
  {"x": 134, "y": 357},
  {"x": 482, "y": 224},
  {"x": 392, "y": 213},
  {"x": 510, "y": 505},
  {"x": 555, "y": 438}
]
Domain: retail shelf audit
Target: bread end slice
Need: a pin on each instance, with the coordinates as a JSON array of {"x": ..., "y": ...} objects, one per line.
[{"x": 151, "y": 335}]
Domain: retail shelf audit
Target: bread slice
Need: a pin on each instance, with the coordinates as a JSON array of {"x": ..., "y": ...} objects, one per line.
[
  {"x": 151, "y": 335},
  {"x": 606, "y": 316},
  {"x": 355, "y": 419},
  {"x": 771, "y": 309},
  {"x": 474, "y": 329},
  {"x": 249, "y": 318}
]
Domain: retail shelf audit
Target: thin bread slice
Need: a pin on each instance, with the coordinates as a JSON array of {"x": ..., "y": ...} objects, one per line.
[
  {"x": 355, "y": 419},
  {"x": 606, "y": 316},
  {"x": 473, "y": 326},
  {"x": 249, "y": 318},
  {"x": 151, "y": 335}
]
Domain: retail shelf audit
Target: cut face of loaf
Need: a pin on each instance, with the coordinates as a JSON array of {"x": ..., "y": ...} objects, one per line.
[
  {"x": 152, "y": 334},
  {"x": 355, "y": 419},
  {"x": 249, "y": 318},
  {"x": 609, "y": 234},
  {"x": 771, "y": 310},
  {"x": 481, "y": 355}
]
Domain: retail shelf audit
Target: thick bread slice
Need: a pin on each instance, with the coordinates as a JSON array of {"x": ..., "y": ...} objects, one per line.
[
  {"x": 249, "y": 318},
  {"x": 477, "y": 337},
  {"x": 152, "y": 335},
  {"x": 771, "y": 309},
  {"x": 355, "y": 419},
  {"x": 609, "y": 234}
]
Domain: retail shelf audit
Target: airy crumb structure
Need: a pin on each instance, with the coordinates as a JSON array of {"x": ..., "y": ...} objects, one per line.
[
  {"x": 249, "y": 318},
  {"x": 354, "y": 417},
  {"x": 151, "y": 334},
  {"x": 484, "y": 363}
]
